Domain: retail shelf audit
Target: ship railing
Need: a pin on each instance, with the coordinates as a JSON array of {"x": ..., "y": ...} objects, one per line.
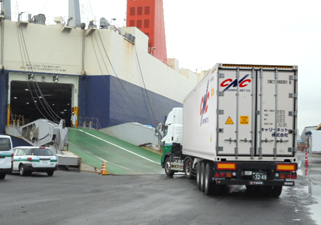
[
  {"x": 89, "y": 122},
  {"x": 17, "y": 120}
]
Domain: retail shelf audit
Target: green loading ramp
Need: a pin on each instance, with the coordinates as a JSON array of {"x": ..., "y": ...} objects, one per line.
[{"x": 122, "y": 158}]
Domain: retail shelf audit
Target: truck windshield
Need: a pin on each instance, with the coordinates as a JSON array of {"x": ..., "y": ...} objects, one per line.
[
  {"x": 5, "y": 144},
  {"x": 165, "y": 130}
]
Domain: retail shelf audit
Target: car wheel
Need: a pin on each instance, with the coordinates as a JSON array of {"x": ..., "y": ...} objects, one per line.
[
  {"x": 2, "y": 176},
  {"x": 22, "y": 170},
  {"x": 50, "y": 173}
]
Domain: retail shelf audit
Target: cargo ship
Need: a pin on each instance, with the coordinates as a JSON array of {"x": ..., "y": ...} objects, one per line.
[{"x": 113, "y": 74}]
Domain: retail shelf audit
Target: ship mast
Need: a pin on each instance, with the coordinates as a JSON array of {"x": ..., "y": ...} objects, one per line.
[
  {"x": 6, "y": 9},
  {"x": 74, "y": 13}
]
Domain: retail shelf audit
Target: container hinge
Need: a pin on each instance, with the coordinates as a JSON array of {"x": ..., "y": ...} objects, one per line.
[
  {"x": 220, "y": 93},
  {"x": 219, "y": 130},
  {"x": 293, "y": 77},
  {"x": 219, "y": 148},
  {"x": 282, "y": 141},
  {"x": 293, "y": 113},
  {"x": 245, "y": 140},
  {"x": 220, "y": 112},
  {"x": 266, "y": 140},
  {"x": 258, "y": 113},
  {"x": 230, "y": 140},
  {"x": 293, "y": 95},
  {"x": 220, "y": 75}
]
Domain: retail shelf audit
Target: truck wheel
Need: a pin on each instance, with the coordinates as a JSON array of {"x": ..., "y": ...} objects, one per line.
[
  {"x": 276, "y": 191},
  {"x": 208, "y": 183},
  {"x": 202, "y": 173},
  {"x": 168, "y": 169},
  {"x": 198, "y": 174},
  {"x": 188, "y": 168},
  {"x": 2, "y": 176}
]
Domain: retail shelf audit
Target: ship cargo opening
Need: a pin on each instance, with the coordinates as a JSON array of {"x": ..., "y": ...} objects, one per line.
[{"x": 30, "y": 101}]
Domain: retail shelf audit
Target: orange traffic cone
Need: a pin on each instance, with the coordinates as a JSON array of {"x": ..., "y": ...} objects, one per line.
[{"x": 104, "y": 169}]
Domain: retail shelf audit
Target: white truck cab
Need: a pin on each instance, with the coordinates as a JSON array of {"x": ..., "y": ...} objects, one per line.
[
  {"x": 173, "y": 127},
  {"x": 6, "y": 155}
]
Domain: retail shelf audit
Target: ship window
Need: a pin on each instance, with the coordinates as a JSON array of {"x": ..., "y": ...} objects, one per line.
[
  {"x": 132, "y": 23},
  {"x": 147, "y": 10},
  {"x": 139, "y": 10},
  {"x": 139, "y": 24},
  {"x": 146, "y": 23},
  {"x": 132, "y": 11}
]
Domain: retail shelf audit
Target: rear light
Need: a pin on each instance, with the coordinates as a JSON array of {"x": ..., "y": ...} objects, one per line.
[
  {"x": 294, "y": 176},
  {"x": 29, "y": 159},
  {"x": 286, "y": 167},
  {"x": 12, "y": 158},
  {"x": 224, "y": 174},
  {"x": 226, "y": 166},
  {"x": 285, "y": 175}
]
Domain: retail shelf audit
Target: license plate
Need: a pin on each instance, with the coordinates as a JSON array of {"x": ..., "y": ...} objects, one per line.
[
  {"x": 46, "y": 162},
  {"x": 259, "y": 176}
]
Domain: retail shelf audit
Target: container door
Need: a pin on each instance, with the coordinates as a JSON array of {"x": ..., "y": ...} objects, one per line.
[
  {"x": 235, "y": 112},
  {"x": 276, "y": 106}
]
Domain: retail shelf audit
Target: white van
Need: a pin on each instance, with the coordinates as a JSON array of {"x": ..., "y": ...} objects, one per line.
[{"x": 6, "y": 155}]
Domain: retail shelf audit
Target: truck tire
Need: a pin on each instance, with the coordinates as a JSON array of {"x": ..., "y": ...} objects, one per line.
[
  {"x": 168, "y": 170},
  {"x": 202, "y": 177},
  {"x": 208, "y": 183},
  {"x": 188, "y": 164},
  {"x": 198, "y": 175},
  {"x": 276, "y": 191}
]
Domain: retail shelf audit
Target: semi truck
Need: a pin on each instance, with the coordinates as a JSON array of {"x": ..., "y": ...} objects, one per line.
[{"x": 238, "y": 126}]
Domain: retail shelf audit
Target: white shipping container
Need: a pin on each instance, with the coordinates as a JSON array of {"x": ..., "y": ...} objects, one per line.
[{"x": 242, "y": 112}]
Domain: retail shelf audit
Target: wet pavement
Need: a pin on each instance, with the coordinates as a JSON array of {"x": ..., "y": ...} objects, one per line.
[{"x": 309, "y": 177}]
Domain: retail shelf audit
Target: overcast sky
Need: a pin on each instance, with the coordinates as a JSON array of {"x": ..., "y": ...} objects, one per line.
[{"x": 201, "y": 33}]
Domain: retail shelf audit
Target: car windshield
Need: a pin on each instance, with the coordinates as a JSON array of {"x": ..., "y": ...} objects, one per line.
[
  {"x": 5, "y": 144},
  {"x": 40, "y": 152}
]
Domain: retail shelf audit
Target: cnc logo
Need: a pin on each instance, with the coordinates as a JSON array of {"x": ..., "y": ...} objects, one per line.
[
  {"x": 228, "y": 83},
  {"x": 204, "y": 105}
]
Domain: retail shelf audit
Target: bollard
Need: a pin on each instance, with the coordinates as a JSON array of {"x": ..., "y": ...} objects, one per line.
[{"x": 306, "y": 158}]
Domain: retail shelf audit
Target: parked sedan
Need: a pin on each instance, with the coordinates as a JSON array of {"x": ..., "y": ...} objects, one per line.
[{"x": 28, "y": 159}]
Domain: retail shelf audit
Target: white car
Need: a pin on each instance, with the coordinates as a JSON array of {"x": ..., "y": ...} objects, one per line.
[
  {"x": 6, "y": 154},
  {"x": 28, "y": 159}
]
